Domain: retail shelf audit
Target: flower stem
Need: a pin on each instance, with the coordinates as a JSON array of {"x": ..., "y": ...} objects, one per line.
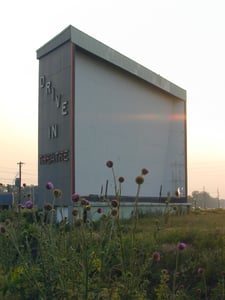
[
  {"x": 115, "y": 185},
  {"x": 175, "y": 276}
]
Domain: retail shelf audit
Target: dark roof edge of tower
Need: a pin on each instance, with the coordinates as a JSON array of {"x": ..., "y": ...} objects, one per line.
[{"x": 99, "y": 49}]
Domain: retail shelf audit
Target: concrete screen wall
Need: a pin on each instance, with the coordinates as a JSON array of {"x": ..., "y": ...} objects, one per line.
[
  {"x": 122, "y": 118},
  {"x": 97, "y": 105}
]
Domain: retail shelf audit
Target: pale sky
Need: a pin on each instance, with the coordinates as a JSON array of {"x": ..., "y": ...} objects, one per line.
[{"x": 182, "y": 40}]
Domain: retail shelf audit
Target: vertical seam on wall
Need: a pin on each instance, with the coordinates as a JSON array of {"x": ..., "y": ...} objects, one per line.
[
  {"x": 185, "y": 149},
  {"x": 72, "y": 92}
]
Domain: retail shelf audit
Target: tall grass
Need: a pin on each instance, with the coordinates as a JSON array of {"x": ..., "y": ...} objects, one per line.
[{"x": 140, "y": 258}]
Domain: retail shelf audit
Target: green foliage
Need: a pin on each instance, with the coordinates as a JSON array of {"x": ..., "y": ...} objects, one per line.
[
  {"x": 61, "y": 261},
  {"x": 172, "y": 257}
]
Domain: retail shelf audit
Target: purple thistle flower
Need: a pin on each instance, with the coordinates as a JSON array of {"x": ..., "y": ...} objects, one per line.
[
  {"x": 99, "y": 210},
  {"x": 85, "y": 202},
  {"x": 200, "y": 270},
  {"x": 182, "y": 246},
  {"x": 109, "y": 164},
  {"x": 114, "y": 203},
  {"x": 75, "y": 197},
  {"x": 144, "y": 171},
  {"x": 156, "y": 256},
  {"x": 181, "y": 287},
  {"x": 29, "y": 204},
  {"x": 121, "y": 179},
  {"x": 50, "y": 186}
]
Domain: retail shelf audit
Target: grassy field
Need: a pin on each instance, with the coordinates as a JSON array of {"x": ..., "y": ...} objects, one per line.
[{"x": 149, "y": 257}]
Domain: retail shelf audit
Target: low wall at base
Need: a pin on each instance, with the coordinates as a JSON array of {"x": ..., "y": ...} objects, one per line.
[{"x": 126, "y": 209}]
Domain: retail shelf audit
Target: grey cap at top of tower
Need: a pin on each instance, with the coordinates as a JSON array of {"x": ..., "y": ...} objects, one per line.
[{"x": 95, "y": 47}]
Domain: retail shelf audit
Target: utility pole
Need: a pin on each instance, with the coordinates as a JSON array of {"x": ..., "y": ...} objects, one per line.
[
  {"x": 20, "y": 167},
  {"x": 204, "y": 200},
  {"x": 218, "y": 197}
]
